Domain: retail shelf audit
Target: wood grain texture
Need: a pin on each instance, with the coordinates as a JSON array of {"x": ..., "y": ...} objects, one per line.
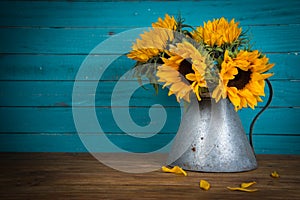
[
  {"x": 44, "y": 43},
  {"x": 83, "y": 40},
  {"x": 80, "y": 176},
  {"x": 65, "y": 67},
  {"x": 60, "y": 119},
  {"x": 71, "y": 142},
  {"x": 59, "y": 94},
  {"x": 136, "y": 13}
]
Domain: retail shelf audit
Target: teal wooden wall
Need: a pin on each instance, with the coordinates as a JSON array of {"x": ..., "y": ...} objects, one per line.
[{"x": 43, "y": 43}]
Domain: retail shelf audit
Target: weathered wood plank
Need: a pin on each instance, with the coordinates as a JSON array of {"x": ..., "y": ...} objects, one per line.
[
  {"x": 65, "y": 67},
  {"x": 80, "y": 176},
  {"x": 83, "y": 40},
  {"x": 49, "y": 40},
  {"x": 70, "y": 142},
  {"x": 59, "y": 94},
  {"x": 136, "y": 13},
  {"x": 53, "y": 120}
]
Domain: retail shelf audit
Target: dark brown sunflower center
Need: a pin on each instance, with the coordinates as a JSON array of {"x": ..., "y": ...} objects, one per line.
[
  {"x": 241, "y": 79},
  {"x": 185, "y": 67}
]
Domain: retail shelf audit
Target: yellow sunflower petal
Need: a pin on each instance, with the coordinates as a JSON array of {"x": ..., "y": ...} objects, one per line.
[
  {"x": 274, "y": 174},
  {"x": 219, "y": 92},
  {"x": 191, "y": 77},
  {"x": 205, "y": 185},
  {"x": 175, "y": 170},
  {"x": 196, "y": 90},
  {"x": 234, "y": 98},
  {"x": 249, "y": 184},
  {"x": 244, "y": 187},
  {"x": 241, "y": 189},
  {"x": 168, "y": 22}
]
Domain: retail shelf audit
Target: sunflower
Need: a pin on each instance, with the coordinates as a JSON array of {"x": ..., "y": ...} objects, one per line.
[
  {"x": 183, "y": 71},
  {"x": 218, "y": 32},
  {"x": 168, "y": 23},
  {"x": 154, "y": 42},
  {"x": 242, "y": 79}
]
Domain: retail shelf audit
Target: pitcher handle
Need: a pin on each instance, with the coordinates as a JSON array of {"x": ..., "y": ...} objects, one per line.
[{"x": 260, "y": 112}]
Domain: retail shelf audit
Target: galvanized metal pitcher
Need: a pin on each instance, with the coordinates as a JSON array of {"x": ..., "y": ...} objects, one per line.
[{"x": 211, "y": 138}]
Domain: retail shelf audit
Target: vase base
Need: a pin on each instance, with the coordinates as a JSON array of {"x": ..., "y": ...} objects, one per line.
[
  {"x": 188, "y": 167},
  {"x": 215, "y": 161}
]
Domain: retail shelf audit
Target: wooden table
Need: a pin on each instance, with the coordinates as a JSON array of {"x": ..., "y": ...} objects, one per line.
[{"x": 81, "y": 176}]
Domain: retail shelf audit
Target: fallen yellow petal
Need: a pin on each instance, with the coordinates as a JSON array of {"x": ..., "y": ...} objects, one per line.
[
  {"x": 274, "y": 174},
  {"x": 241, "y": 189},
  {"x": 246, "y": 185},
  {"x": 204, "y": 185},
  {"x": 175, "y": 169}
]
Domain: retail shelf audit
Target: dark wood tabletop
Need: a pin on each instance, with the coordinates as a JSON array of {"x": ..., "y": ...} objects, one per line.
[{"x": 81, "y": 176}]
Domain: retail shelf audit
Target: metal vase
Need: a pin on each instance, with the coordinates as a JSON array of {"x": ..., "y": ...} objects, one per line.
[{"x": 211, "y": 138}]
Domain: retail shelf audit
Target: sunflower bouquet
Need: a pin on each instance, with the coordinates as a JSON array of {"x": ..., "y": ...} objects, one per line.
[{"x": 214, "y": 60}]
